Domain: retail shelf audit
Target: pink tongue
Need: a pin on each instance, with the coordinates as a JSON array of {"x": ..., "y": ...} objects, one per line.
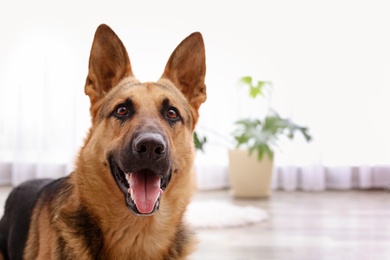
[{"x": 146, "y": 190}]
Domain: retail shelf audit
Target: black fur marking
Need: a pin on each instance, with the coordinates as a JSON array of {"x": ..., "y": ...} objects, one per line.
[
  {"x": 86, "y": 226},
  {"x": 63, "y": 251},
  {"x": 15, "y": 223},
  {"x": 182, "y": 238}
]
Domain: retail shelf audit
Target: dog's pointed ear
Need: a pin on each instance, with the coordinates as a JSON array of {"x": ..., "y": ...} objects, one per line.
[
  {"x": 108, "y": 63},
  {"x": 186, "y": 68}
]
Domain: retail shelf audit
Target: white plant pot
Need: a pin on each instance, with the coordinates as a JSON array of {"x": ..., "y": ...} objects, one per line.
[{"x": 248, "y": 176}]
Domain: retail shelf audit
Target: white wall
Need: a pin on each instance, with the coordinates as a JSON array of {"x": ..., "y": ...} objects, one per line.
[{"x": 329, "y": 61}]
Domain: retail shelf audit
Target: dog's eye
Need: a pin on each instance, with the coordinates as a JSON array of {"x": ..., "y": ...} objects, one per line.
[
  {"x": 172, "y": 113},
  {"x": 121, "y": 111}
]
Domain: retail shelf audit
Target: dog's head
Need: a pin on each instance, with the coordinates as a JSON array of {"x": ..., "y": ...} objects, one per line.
[{"x": 142, "y": 132}]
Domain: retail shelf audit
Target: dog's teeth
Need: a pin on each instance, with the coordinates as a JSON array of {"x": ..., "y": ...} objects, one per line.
[
  {"x": 132, "y": 194},
  {"x": 128, "y": 176}
]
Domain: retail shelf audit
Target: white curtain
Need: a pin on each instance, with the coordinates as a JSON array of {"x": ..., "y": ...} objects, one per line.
[
  {"x": 329, "y": 64},
  {"x": 43, "y": 111}
]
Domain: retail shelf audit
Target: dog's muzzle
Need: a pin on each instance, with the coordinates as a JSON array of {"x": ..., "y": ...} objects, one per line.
[{"x": 142, "y": 171}]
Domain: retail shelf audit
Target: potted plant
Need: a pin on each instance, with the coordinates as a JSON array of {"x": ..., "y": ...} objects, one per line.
[{"x": 250, "y": 169}]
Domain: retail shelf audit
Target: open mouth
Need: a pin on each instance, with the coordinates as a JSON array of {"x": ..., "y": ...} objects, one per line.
[{"x": 142, "y": 188}]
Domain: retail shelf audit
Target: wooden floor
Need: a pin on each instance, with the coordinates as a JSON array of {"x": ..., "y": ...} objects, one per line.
[{"x": 329, "y": 225}]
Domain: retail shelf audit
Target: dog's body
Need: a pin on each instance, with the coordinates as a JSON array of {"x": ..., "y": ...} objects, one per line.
[{"x": 133, "y": 177}]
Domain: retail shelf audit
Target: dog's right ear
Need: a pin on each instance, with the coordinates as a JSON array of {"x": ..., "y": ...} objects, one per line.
[{"x": 108, "y": 63}]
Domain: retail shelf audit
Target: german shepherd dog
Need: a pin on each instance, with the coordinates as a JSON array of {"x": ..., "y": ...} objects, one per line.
[{"x": 133, "y": 176}]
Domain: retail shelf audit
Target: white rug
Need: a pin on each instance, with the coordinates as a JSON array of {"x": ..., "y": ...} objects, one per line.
[{"x": 221, "y": 214}]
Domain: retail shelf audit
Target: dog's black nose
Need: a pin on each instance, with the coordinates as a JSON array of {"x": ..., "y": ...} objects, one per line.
[{"x": 149, "y": 146}]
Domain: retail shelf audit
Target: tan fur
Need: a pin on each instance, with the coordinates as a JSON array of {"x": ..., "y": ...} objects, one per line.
[{"x": 92, "y": 187}]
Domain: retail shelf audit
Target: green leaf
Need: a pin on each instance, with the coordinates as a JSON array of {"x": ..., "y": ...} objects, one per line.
[
  {"x": 247, "y": 80},
  {"x": 304, "y": 131},
  {"x": 199, "y": 142},
  {"x": 260, "y": 152},
  {"x": 254, "y": 91},
  {"x": 269, "y": 152}
]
